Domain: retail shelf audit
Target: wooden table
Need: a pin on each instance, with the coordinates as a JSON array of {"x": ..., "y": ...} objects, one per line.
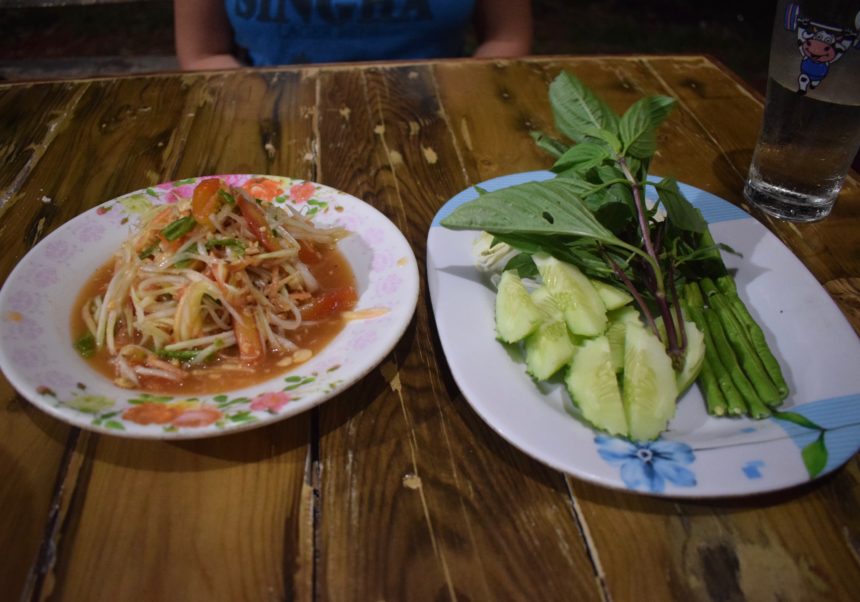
[{"x": 395, "y": 489}]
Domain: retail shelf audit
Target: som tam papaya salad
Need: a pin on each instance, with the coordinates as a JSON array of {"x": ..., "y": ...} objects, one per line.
[
  {"x": 215, "y": 286},
  {"x": 629, "y": 301}
]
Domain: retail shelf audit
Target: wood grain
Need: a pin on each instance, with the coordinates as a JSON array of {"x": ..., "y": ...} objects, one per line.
[
  {"x": 395, "y": 489},
  {"x": 30, "y": 117},
  {"x": 404, "y": 477},
  {"x": 31, "y": 458},
  {"x": 33, "y": 447}
]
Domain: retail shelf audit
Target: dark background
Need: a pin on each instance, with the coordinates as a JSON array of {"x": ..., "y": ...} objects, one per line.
[{"x": 134, "y": 36}]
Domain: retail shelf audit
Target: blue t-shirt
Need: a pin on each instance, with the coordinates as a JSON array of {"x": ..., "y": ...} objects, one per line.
[{"x": 276, "y": 32}]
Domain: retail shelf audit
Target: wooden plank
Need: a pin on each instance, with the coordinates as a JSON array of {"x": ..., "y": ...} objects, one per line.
[
  {"x": 248, "y": 122},
  {"x": 228, "y": 518},
  {"x": 220, "y": 518},
  {"x": 491, "y": 108},
  {"x": 33, "y": 453},
  {"x": 30, "y": 117},
  {"x": 404, "y": 479},
  {"x": 111, "y": 141},
  {"x": 31, "y": 458}
]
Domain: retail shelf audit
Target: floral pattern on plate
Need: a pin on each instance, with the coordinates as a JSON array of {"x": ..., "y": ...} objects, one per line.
[
  {"x": 37, "y": 356},
  {"x": 814, "y": 432}
]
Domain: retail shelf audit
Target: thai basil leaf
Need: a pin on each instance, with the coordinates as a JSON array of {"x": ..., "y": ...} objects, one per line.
[
  {"x": 548, "y": 207},
  {"x": 610, "y": 139},
  {"x": 682, "y": 214},
  {"x": 523, "y": 264},
  {"x": 589, "y": 260},
  {"x": 607, "y": 173},
  {"x": 614, "y": 214},
  {"x": 577, "y": 108},
  {"x": 554, "y": 147},
  {"x": 580, "y": 252},
  {"x": 638, "y": 125},
  {"x": 638, "y": 167},
  {"x": 580, "y": 158}
]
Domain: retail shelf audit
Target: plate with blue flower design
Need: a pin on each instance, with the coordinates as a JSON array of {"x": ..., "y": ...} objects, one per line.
[
  {"x": 39, "y": 360},
  {"x": 818, "y": 428}
]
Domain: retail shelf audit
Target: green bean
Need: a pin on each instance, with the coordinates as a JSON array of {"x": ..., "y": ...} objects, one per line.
[
  {"x": 716, "y": 339},
  {"x": 714, "y": 399},
  {"x": 746, "y": 352},
  {"x": 755, "y": 334}
]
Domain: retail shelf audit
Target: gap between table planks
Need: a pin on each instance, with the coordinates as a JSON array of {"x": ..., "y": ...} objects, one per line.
[{"x": 427, "y": 493}]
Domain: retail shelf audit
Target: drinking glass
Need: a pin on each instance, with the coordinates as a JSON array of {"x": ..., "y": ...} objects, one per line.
[{"x": 811, "y": 128}]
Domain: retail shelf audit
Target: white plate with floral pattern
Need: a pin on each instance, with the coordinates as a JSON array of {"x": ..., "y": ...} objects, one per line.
[
  {"x": 698, "y": 456},
  {"x": 38, "y": 359}
]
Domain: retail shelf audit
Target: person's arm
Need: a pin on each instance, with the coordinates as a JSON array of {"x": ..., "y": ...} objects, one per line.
[
  {"x": 504, "y": 28},
  {"x": 203, "y": 35}
]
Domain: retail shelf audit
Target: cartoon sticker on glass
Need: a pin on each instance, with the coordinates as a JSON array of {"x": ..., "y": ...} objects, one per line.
[{"x": 820, "y": 46}]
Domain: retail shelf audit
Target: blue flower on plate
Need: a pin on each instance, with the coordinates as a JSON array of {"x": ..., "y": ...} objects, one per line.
[{"x": 648, "y": 465}]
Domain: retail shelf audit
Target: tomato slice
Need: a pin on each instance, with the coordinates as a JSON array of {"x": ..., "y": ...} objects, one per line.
[
  {"x": 257, "y": 223},
  {"x": 205, "y": 201},
  {"x": 329, "y": 303}
]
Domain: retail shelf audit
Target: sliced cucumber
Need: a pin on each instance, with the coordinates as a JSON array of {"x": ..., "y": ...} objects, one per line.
[
  {"x": 548, "y": 349},
  {"x": 618, "y": 321},
  {"x": 649, "y": 389},
  {"x": 593, "y": 386},
  {"x": 517, "y": 316},
  {"x": 694, "y": 357},
  {"x": 544, "y": 300},
  {"x": 584, "y": 311},
  {"x": 612, "y": 296},
  {"x": 626, "y": 314}
]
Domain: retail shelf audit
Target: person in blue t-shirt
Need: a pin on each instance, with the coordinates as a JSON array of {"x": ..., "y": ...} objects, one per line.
[{"x": 222, "y": 34}]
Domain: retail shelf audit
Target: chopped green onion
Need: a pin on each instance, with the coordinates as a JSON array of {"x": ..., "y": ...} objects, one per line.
[
  {"x": 183, "y": 355},
  {"x": 234, "y": 243},
  {"x": 228, "y": 198},
  {"x": 150, "y": 250},
  {"x": 179, "y": 228},
  {"x": 86, "y": 345}
]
